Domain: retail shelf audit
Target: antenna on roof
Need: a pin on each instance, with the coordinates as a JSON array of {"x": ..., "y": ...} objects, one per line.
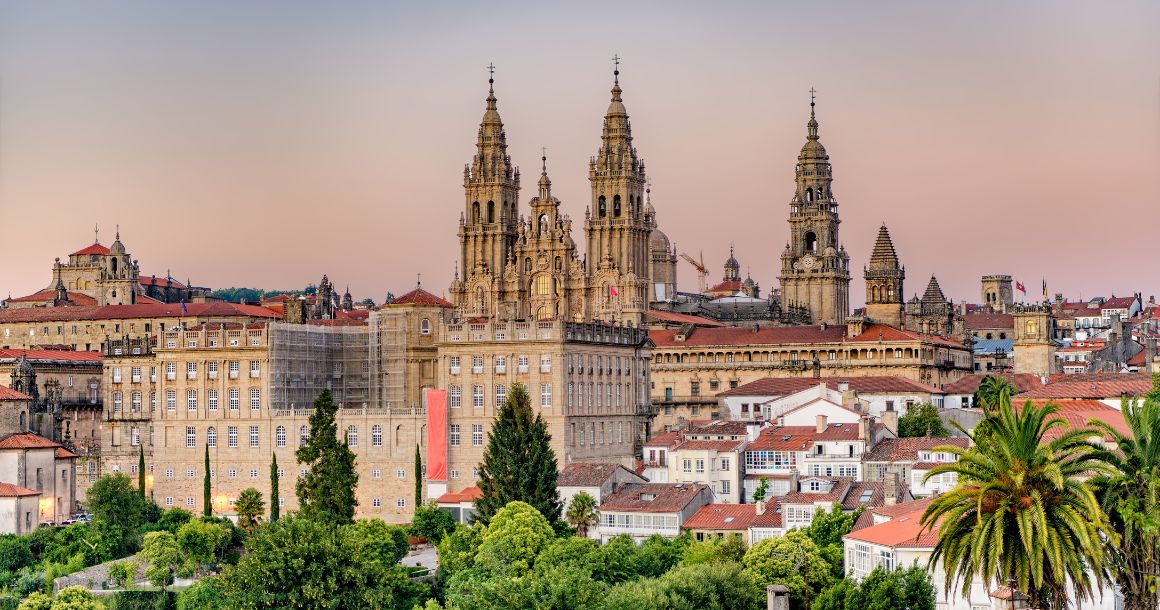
[{"x": 96, "y": 233}]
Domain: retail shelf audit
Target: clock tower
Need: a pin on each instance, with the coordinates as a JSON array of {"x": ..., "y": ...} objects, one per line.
[{"x": 815, "y": 269}]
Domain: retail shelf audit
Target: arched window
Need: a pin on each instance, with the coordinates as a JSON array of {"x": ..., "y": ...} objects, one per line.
[
  {"x": 424, "y": 326},
  {"x": 211, "y": 436},
  {"x": 559, "y": 264},
  {"x": 475, "y": 212},
  {"x": 616, "y": 206},
  {"x": 490, "y": 212},
  {"x": 811, "y": 242},
  {"x": 602, "y": 207},
  {"x": 377, "y": 435},
  {"x": 303, "y": 435},
  {"x": 544, "y": 285},
  {"x": 809, "y": 194},
  {"x": 820, "y": 195},
  {"x": 399, "y": 434},
  {"x": 280, "y": 436}
]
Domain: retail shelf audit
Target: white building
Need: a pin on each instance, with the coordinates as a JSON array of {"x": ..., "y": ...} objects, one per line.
[
  {"x": 874, "y": 395},
  {"x": 597, "y": 479},
  {"x": 641, "y": 510}
]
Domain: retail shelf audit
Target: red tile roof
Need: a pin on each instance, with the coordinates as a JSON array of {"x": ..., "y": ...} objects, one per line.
[
  {"x": 731, "y": 286},
  {"x": 898, "y": 510},
  {"x": 970, "y": 384},
  {"x": 784, "y": 438},
  {"x": 469, "y": 494},
  {"x": 681, "y": 318},
  {"x": 587, "y": 474},
  {"x": 337, "y": 322},
  {"x": 65, "y": 454},
  {"x": 667, "y": 439},
  {"x": 95, "y": 248},
  {"x": 770, "y": 518},
  {"x": 773, "y": 386},
  {"x": 710, "y": 445},
  {"x": 164, "y": 282},
  {"x": 903, "y": 531},
  {"x": 666, "y": 497},
  {"x": 142, "y": 310},
  {"x": 51, "y": 354},
  {"x": 1093, "y": 386},
  {"x": 1077, "y": 413},
  {"x": 10, "y": 490},
  {"x": 7, "y": 393},
  {"x": 49, "y": 294},
  {"x": 722, "y": 517},
  {"x": 747, "y": 336},
  {"x": 906, "y": 449},
  {"x": 419, "y": 296},
  {"x": 882, "y": 332},
  {"x": 26, "y": 440},
  {"x": 354, "y": 314},
  {"x": 983, "y": 321},
  {"x": 1119, "y": 303}
]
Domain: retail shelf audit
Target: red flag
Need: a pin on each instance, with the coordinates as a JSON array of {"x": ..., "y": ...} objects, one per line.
[
  {"x": 612, "y": 291},
  {"x": 1021, "y": 288}
]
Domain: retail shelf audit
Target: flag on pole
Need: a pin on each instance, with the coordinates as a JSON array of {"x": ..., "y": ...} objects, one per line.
[
  {"x": 1021, "y": 288},
  {"x": 184, "y": 309},
  {"x": 1044, "y": 289},
  {"x": 612, "y": 291}
]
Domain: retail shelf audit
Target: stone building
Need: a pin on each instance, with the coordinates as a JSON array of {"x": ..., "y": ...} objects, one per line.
[
  {"x": 815, "y": 269},
  {"x": 997, "y": 294},
  {"x": 884, "y": 282},
  {"x": 1034, "y": 347},
  {"x": 933, "y": 314}
]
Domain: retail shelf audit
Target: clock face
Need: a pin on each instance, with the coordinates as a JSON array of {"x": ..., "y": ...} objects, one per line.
[{"x": 808, "y": 262}]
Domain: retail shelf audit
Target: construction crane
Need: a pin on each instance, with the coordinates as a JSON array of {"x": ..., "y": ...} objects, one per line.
[{"x": 702, "y": 272}]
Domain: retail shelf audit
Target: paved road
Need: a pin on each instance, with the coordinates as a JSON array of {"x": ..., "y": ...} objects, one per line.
[{"x": 426, "y": 557}]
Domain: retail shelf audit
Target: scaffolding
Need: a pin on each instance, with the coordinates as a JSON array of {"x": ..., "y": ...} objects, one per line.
[
  {"x": 388, "y": 356},
  {"x": 306, "y": 359}
]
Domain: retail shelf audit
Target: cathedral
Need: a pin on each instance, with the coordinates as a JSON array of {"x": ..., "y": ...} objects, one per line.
[{"x": 517, "y": 267}]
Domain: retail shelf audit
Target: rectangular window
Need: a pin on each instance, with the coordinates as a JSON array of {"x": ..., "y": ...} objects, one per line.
[
  {"x": 456, "y": 394},
  {"x": 477, "y": 435},
  {"x": 190, "y": 436},
  {"x": 233, "y": 369},
  {"x": 191, "y": 400},
  {"x": 686, "y": 465},
  {"x": 477, "y": 364},
  {"x": 235, "y": 398},
  {"x": 695, "y": 388},
  {"x": 500, "y": 394},
  {"x": 136, "y": 374},
  {"x": 724, "y": 486},
  {"x": 700, "y": 466},
  {"x": 170, "y": 400},
  {"x": 545, "y": 364},
  {"x": 191, "y": 370},
  {"x": 725, "y": 464},
  {"x": 117, "y": 400},
  {"x": 255, "y": 369},
  {"x": 522, "y": 364},
  {"x": 171, "y": 370},
  {"x": 213, "y": 399},
  {"x": 400, "y": 474},
  {"x": 454, "y": 361},
  {"x": 454, "y": 436},
  {"x": 117, "y": 375},
  {"x": 253, "y": 436},
  {"x": 545, "y": 394},
  {"x": 255, "y": 399},
  {"x": 232, "y": 436},
  {"x": 501, "y": 364},
  {"x": 211, "y": 370},
  {"x": 477, "y": 396}
]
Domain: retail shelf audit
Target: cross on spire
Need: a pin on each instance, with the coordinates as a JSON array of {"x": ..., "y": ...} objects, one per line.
[
  {"x": 616, "y": 67},
  {"x": 490, "y": 71},
  {"x": 419, "y": 278},
  {"x": 96, "y": 233}
]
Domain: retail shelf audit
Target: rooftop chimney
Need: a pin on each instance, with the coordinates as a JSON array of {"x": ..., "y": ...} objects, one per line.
[
  {"x": 890, "y": 489},
  {"x": 759, "y": 507},
  {"x": 890, "y": 419},
  {"x": 821, "y": 424}
]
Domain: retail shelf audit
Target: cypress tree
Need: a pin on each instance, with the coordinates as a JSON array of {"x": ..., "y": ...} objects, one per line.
[
  {"x": 418, "y": 479},
  {"x": 141, "y": 470},
  {"x": 205, "y": 499},
  {"x": 274, "y": 498},
  {"x": 326, "y": 493},
  {"x": 518, "y": 463}
]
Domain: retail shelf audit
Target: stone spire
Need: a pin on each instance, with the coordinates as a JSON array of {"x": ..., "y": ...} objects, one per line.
[
  {"x": 616, "y": 151},
  {"x": 884, "y": 257},
  {"x": 545, "y": 182},
  {"x": 491, "y": 161},
  {"x": 934, "y": 293},
  {"x": 884, "y": 282}
]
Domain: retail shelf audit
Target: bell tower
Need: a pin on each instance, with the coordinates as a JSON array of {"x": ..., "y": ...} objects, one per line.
[
  {"x": 814, "y": 265},
  {"x": 618, "y": 223},
  {"x": 884, "y": 277},
  {"x": 489, "y": 223}
]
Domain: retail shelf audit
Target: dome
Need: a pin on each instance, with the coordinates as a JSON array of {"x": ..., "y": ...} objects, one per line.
[
  {"x": 117, "y": 248},
  {"x": 813, "y": 149},
  {"x": 659, "y": 241}
]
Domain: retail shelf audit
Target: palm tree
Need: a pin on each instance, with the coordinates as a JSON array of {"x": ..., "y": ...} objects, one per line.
[
  {"x": 250, "y": 508},
  {"x": 582, "y": 513},
  {"x": 1131, "y": 499},
  {"x": 991, "y": 390},
  {"x": 1022, "y": 508}
]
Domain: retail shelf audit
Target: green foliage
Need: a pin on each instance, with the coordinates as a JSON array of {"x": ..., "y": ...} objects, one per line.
[
  {"x": 374, "y": 540},
  {"x": 518, "y": 462},
  {"x": 762, "y": 489},
  {"x": 206, "y": 500},
  {"x": 582, "y": 513},
  {"x": 172, "y": 519},
  {"x": 255, "y": 295},
  {"x": 122, "y": 573},
  {"x": 250, "y": 508},
  {"x": 922, "y": 420},
  {"x": 1022, "y": 508},
  {"x": 557, "y": 588},
  {"x": 205, "y": 594},
  {"x": 308, "y": 564},
  {"x": 15, "y": 553},
  {"x": 162, "y": 554},
  {"x": 457, "y": 550},
  {"x": 418, "y": 478},
  {"x": 903, "y": 589},
  {"x": 432, "y": 522},
  {"x": 94, "y": 542},
  {"x": 275, "y": 498},
  {"x": 202, "y": 542},
  {"x": 789, "y": 560},
  {"x": 326, "y": 493},
  {"x": 715, "y": 550},
  {"x": 36, "y": 601},
  {"x": 1131, "y": 498},
  {"x": 142, "y": 599},
  {"x": 992, "y": 392},
  {"x": 709, "y": 586},
  {"x": 114, "y": 499},
  {"x": 141, "y": 471},
  {"x": 74, "y": 598},
  {"x": 516, "y": 535},
  {"x": 826, "y": 530}
]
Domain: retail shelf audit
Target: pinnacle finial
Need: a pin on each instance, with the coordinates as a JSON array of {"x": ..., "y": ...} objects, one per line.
[
  {"x": 96, "y": 233},
  {"x": 118, "y": 235},
  {"x": 813, "y": 124},
  {"x": 490, "y": 76},
  {"x": 544, "y": 159},
  {"x": 419, "y": 278},
  {"x": 616, "y": 68}
]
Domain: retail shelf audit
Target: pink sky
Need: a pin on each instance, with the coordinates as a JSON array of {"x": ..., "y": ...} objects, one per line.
[{"x": 248, "y": 146}]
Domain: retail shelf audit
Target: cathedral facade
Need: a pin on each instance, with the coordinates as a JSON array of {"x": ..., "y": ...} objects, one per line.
[{"x": 517, "y": 267}]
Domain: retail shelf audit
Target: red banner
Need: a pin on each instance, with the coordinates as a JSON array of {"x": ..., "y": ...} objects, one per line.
[{"x": 436, "y": 435}]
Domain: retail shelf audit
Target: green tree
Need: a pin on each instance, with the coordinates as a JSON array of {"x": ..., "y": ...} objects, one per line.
[
  {"x": 69, "y": 598},
  {"x": 308, "y": 564},
  {"x": 827, "y": 529},
  {"x": 205, "y": 594},
  {"x": 792, "y": 560},
  {"x": 418, "y": 478},
  {"x": 762, "y": 489},
  {"x": 582, "y": 513},
  {"x": 518, "y": 463},
  {"x": 275, "y": 499},
  {"x": 457, "y": 550},
  {"x": 206, "y": 501},
  {"x": 922, "y": 420},
  {"x": 122, "y": 573},
  {"x": 162, "y": 554},
  {"x": 201, "y": 542},
  {"x": 114, "y": 499},
  {"x": 1021, "y": 508},
  {"x": 375, "y": 540},
  {"x": 709, "y": 586},
  {"x": 250, "y": 508},
  {"x": 516, "y": 535},
  {"x": 715, "y": 550},
  {"x": 141, "y": 470},
  {"x": 432, "y": 522},
  {"x": 991, "y": 390},
  {"x": 15, "y": 553},
  {"x": 326, "y": 493},
  {"x": 1131, "y": 498},
  {"x": 902, "y": 589}
]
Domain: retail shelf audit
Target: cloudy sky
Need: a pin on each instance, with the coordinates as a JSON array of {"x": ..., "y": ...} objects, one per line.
[{"x": 266, "y": 143}]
